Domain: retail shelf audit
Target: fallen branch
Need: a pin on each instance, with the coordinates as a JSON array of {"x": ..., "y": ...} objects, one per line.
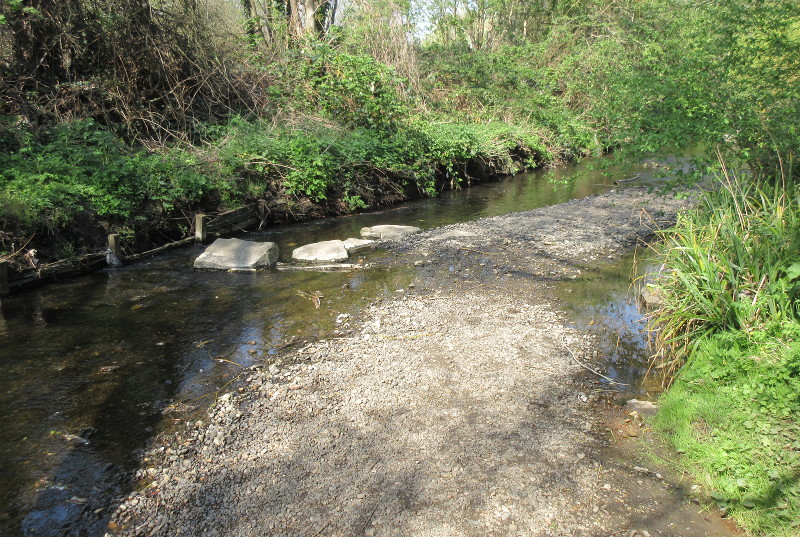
[
  {"x": 415, "y": 336},
  {"x": 476, "y": 251},
  {"x": 586, "y": 367}
]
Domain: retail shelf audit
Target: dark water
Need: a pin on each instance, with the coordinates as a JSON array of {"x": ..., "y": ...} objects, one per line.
[{"x": 92, "y": 367}]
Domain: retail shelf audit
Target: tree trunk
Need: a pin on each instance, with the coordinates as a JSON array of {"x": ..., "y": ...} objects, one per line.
[
  {"x": 310, "y": 12},
  {"x": 295, "y": 25}
]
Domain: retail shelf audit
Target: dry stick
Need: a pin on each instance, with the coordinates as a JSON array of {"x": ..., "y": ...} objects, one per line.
[
  {"x": 415, "y": 336},
  {"x": 12, "y": 254},
  {"x": 612, "y": 381},
  {"x": 548, "y": 370},
  {"x": 474, "y": 250}
]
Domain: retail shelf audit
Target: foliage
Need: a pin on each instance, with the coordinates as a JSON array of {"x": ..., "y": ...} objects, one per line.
[
  {"x": 733, "y": 413},
  {"x": 82, "y": 169},
  {"x": 149, "y": 71},
  {"x": 355, "y": 90},
  {"x": 478, "y": 86},
  {"x": 730, "y": 265},
  {"x": 324, "y": 163},
  {"x": 661, "y": 75}
]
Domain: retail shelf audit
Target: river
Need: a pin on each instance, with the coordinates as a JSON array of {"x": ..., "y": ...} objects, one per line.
[{"x": 95, "y": 366}]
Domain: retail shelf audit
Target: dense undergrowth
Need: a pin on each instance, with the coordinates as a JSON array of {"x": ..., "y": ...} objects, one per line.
[
  {"x": 730, "y": 332},
  {"x": 339, "y": 131}
]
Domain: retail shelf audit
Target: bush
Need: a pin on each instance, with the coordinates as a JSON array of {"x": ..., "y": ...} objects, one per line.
[
  {"x": 354, "y": 90},
  {"x": 324, "y": 163},
  {"x": 78, "y": 168}
]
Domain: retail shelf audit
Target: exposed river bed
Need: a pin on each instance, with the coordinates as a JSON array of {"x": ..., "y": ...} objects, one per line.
[{"x": 95, "y": 366}]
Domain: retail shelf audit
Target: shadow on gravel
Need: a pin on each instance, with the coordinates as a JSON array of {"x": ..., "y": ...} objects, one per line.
[{"x": 377, "y": 479}]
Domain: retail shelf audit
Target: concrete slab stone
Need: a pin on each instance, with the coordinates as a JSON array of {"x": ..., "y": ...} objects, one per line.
[
  {"x": 237, "y": 254},
  {"x": 321, "y": 252},
  {"x": 354, "y": 245},
  {"x": 388, "y": 232}
]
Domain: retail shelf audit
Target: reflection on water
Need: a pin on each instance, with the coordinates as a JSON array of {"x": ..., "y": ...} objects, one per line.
[
  {"x": 92, "y": 366},
  {"x": 603, "y": 302}
]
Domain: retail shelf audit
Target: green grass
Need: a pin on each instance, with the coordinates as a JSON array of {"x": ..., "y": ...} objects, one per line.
[
  {"x": 734, "y": 414},
  {"x": 729, "y": 332}
]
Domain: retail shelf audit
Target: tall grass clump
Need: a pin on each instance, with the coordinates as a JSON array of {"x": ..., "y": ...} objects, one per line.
[
  {"x": 728, "y": 334},
  {"x": 732, "y": 264}
]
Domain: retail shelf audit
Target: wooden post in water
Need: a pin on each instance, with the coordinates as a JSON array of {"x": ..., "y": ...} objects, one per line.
[
  {"x": 4, "y": 288},
  {"x": 200, "y": 227},
  {"x": 114, "y": 245}
]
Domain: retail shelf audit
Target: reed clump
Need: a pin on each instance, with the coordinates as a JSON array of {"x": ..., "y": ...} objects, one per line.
[{"x": 732, "y": 264}]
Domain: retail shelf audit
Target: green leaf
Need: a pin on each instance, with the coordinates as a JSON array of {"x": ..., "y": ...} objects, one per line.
[{"x": 793, "y": 271}]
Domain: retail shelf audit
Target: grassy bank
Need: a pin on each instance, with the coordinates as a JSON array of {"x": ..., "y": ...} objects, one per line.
[
  {"x": 730, "y": 330},
  {"x": 62, "y": 191}
]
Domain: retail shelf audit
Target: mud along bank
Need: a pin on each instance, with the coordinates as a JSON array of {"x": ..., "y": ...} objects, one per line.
[{"x": 454, "y": 407}]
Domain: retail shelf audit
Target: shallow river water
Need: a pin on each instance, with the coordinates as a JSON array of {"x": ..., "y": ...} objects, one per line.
[{"x": 94, "y": 366}]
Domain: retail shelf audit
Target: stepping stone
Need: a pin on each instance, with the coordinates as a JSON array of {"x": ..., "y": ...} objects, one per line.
[
  {"x": 237, "y": 254},
  {"x": 643, "y": 408},
  {"x": 387, "y": 233},
  {"x": 354, "y": 245},
  {"x": 321, "y": 252}
]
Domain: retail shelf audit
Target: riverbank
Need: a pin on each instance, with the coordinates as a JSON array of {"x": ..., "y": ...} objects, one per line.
[
  {"x": 63, "y": 192},
  {"x": 456, "y": 407}
]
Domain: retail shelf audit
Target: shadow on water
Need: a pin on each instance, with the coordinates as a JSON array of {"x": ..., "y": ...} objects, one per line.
[
  {"x": 604, "y": 303},
  {"x": 94, "y": 366}
]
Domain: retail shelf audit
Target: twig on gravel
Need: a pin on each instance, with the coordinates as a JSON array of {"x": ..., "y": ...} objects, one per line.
[
  {"x": 548, "y": 370},
  {"x": 369, "y": 519},
  {"x": 476, "y": 251},
  {"x": 312, "y": 296},
  {"x": 572, "y": 354},
  {"x": 229, "y": 361},
  {"x": 323, "y": 528}
]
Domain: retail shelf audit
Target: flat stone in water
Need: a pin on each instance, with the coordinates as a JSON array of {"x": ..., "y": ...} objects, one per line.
[
  {"x": 388, "y": 232},
  {"x": 237, "y": 255},
  {"x": 354, "y": 245},
  {"x": 321, "y": 252}
]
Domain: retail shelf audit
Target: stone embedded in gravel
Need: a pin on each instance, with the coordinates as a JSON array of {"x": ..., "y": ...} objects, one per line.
[
  {"x": 388, "y": 232},
  {"x": 237, "y": 254},
  {"x": 453, "y": 234},
  {"x": 354, "y": 245},
  {"x": 321, "y": 252},
  {"x": 643, "y": 408},
  {"x": 652, "y": 297}
]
